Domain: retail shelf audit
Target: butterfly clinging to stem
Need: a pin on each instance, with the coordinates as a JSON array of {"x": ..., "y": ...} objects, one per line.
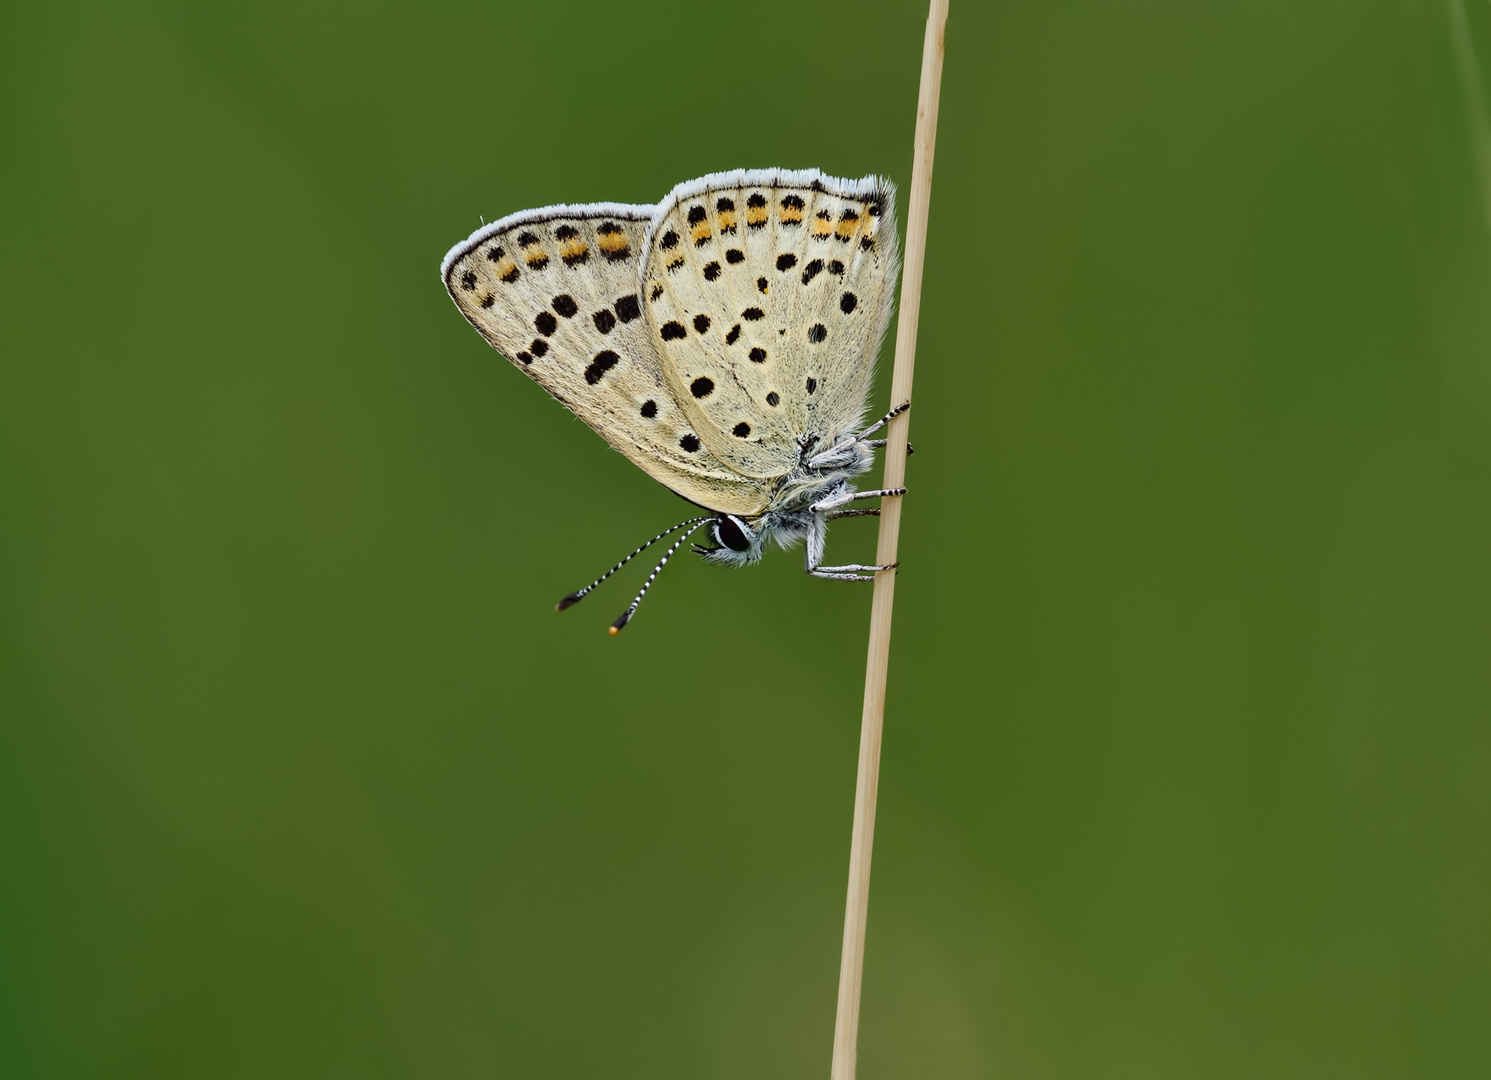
[{"x": 723, "y": 340}]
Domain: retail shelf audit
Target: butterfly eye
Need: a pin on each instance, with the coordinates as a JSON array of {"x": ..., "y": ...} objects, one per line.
[{"x": 732, "y": 533}]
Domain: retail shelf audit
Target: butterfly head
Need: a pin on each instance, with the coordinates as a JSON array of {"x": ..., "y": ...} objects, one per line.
[{"x": 737, "y": 541}]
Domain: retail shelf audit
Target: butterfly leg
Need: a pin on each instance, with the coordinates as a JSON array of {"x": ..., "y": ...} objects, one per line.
[
  {"x": 842, "y": 452},
  {"x": 879, "y": 444},
  {"x": 833, "y": 502},
  {"x": 849, "y": 571},
  {"x": 878, "y": 424}
]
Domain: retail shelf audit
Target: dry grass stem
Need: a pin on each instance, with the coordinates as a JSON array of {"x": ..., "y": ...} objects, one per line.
[{"x": 851, "y": 966}]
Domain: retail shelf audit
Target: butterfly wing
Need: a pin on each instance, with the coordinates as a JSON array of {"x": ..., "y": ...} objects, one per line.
[
  {"x": 767, "y": 294},
  {"x": 555, "y": 291}
]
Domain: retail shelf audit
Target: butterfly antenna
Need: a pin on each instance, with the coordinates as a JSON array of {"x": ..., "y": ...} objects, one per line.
[
  {"x": 626, "y": 616},
  {"x": 580, "y": 594}
]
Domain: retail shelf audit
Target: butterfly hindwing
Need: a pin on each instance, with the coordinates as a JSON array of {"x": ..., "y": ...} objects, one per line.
[
  {"x": 555, "y": 291},
  {"x": 767, "y": 294}
]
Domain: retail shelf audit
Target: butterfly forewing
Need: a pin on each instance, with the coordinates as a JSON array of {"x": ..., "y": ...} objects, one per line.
[
  {"x": 555, "y": 291},
  {"x": 767, "y": 295}
]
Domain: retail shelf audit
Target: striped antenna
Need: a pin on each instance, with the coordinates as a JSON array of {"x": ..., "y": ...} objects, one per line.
[
  {"x": 580, "y": 594},
  {"x": 626, "y": 616}
]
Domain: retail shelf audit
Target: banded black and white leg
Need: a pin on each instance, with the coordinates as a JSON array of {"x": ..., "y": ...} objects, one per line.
[
  {"x": 818, "y": 530},
  {"x": 878, "y": 444},
  {"x": 844, "y": 498},
  {"x": 829, "y": 509},
  {"x": 842, "y": 452},
  {"x": 878, "y": 424}
]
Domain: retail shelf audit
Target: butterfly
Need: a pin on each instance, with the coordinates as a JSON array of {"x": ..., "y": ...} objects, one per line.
[{"x": 723, "y": 340}]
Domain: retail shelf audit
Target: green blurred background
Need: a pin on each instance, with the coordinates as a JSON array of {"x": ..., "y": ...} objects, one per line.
[{"x": 1187, "y": 754}]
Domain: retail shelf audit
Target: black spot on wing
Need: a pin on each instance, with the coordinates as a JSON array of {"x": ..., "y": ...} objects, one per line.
[
  {"x": 701, "y": 323},
  {"x": 649, "y": 409},
  {"x": 604, "y": 361},
  {"x": 468, "y": 280},
  {"x": 538, "y": 347},
  {"x": 772, "y": 399},
  {"x": 702, "y": 387},
  {"x": 734, "y": 255},
  {"x": 786, "y": 261},
  {"x": 734, "y": 333},
  {"x": 741, "y": 430},
  {"x": 604, "y": 320},
  {"x": 696, "y": 214},
  {"x": 669, "y": 241},
  {"x": 817, "y": 333},
  {"x": 689, "y": 442},
  {"x": 627, "y": 308},
  {"x": 752, "y": 314},
  {"x": 848, "y": 302},
  {"x": 673, "y": 330},
  {"x": 758, "y": 354},
  {"x": 545, "y": 323},
  {"x": 812, "y": 270},
  {"x": 812, "y": 385},
  {"x": 711, "y": 271},
  {"x": 565, "y": 304}
]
